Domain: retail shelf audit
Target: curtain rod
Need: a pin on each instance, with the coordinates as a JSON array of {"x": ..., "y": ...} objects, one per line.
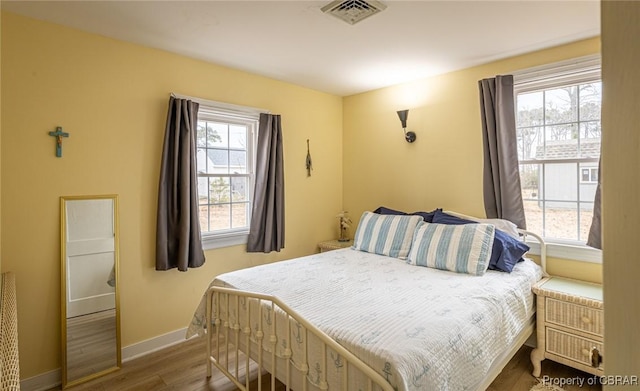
[{"x": 223, "y": 105}]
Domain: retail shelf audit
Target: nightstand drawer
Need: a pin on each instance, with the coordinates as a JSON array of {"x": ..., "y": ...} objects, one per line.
[
  {"x": 571, "y": 346},
  {"x": 574, "y": 316}
]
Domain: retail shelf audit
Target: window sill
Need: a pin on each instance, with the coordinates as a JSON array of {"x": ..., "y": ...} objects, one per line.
[
  {"x": 580, "y": 253},
  {"x": 210, "y": 242}
]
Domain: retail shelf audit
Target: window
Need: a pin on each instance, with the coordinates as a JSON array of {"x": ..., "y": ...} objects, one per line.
[
  {"x": 589, "y": 175},
  {"x": 558, "y": 132},
  {"x": 225, "y": 166}
]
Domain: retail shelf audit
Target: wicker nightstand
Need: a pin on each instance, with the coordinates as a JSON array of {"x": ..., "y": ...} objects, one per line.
[
  {"x": 334, "y": 244},
  {"x": 570, "y": 324}
]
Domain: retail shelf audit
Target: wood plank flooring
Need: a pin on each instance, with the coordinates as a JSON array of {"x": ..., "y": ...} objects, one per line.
[
  {"x": 182, "y": 368},
  {"x": 91, "y": 343}
]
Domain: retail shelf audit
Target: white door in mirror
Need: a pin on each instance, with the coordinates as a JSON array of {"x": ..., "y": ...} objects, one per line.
[{"x": 90, "y": 256}]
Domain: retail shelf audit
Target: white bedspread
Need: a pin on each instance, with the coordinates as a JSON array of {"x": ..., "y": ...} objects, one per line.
[{"x": 421, "y": 328}]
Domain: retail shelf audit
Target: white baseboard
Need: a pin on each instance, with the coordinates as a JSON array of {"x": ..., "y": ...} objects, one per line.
[
  {"x": 153, "y": 344},
  {"x": 51, "y": 379}
]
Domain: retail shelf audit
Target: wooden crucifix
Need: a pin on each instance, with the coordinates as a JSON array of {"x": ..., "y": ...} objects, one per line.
[{"x": 58, "y": 134}]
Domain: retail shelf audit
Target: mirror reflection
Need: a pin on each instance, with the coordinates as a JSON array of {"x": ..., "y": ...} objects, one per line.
[{"x": 90, "y": 321}]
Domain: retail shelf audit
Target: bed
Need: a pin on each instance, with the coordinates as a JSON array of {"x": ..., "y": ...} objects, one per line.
[{"x": 355, "y": 320}]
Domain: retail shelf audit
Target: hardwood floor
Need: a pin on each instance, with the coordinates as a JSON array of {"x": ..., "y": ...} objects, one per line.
[
  {"x": 516, "y": 375},
  {"x": 182, "y": 368},
  {"x": 91, "y": 343}
]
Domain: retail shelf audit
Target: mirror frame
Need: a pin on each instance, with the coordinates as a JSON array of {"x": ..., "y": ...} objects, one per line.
[{"x": 63, "y": 319}]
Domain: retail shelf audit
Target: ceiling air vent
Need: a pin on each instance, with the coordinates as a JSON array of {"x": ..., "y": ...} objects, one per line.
[{"x": 353, "y": 11}]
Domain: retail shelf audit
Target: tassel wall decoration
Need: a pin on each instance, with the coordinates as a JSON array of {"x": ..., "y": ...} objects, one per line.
[{"x": 309, "y": 164}]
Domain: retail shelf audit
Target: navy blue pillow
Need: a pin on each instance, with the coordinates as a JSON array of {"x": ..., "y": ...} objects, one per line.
[
  {"x": 386, "y": 211},
  {"x": 426, "y": 216},
  {"x": 506, "y": 250}
]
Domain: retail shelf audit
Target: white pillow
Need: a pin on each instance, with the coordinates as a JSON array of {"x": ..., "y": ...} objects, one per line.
[
  {"x": 389, "y": 235},
  {"x": 459, "y": 248},
  {"x": 503, "y": 225}
]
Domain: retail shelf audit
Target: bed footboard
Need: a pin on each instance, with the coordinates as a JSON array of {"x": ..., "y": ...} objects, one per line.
[{"x": 263, "y": 332}]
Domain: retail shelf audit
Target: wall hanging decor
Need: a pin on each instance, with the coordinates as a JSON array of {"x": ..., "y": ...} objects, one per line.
[
  {"x": 309, "y": 164},
  {"x": 58, "y": 134}
]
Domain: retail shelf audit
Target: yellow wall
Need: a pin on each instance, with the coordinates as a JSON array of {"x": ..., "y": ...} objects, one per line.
[
  {"x": 1, "y": 270},
  {"x": 443, "y": 167},
  {"x": 621, "y": 186},
  {"x": 112, "y": 99},
  {"x": 584, "y": 271}
]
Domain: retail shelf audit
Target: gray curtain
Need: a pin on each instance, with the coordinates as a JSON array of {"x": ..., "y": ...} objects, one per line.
[
  {"x": 178, "y": 241},
  {"x": 267, "y": 220},
  {"x": 501, "y": 177},
  {"x": 595, "y": 231}
]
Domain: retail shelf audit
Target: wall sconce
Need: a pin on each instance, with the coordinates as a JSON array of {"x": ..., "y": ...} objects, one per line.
[{"x": 409, "y": 136}]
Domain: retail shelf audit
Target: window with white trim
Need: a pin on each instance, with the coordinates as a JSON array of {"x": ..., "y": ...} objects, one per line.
[
  {"x": 559, "y": 131},
  {"x": 589, "y": 175},
  {"x": 226, "y": 173}
]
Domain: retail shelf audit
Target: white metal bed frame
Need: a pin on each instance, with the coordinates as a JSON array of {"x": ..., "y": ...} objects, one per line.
[{"x": 229, "y": 341}]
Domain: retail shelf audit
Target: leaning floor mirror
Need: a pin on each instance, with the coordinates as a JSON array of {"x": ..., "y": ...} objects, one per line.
[{"x": 90, "y": 310}]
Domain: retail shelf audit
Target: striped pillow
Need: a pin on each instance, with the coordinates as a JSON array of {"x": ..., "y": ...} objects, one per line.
[
  {"x": 458, "y": 248},
  {"x": 389, "y": 235}
]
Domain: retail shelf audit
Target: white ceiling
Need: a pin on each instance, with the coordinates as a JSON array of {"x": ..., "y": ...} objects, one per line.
[{"x": 295, "y": 41}]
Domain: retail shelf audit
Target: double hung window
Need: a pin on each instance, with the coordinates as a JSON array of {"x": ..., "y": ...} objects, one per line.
[
  {"x": 226, "y": 166},
  {"x": 558, "y": 133}
]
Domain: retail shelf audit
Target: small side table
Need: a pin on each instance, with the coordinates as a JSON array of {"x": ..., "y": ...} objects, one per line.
[
  {"x": 570, "y": 324},
  {"x": 334, "y": 244}
]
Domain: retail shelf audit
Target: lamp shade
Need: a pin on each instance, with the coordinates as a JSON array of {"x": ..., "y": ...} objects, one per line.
[{"x": 403, "y": 114}]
